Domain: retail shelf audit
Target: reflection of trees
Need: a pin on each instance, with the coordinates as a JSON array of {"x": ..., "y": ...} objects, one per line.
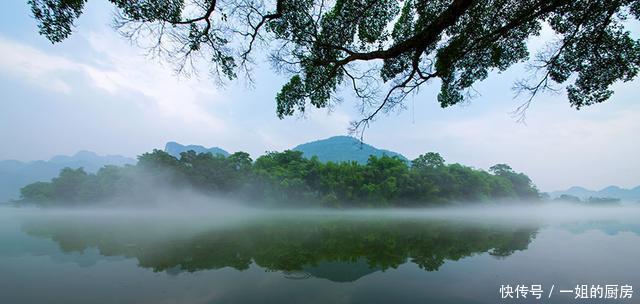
[{"x": 285, "y": 244}]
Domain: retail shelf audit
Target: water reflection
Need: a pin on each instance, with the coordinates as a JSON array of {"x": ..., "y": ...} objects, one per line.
[
  {"x": 610, "y": 227},
  {"x": 340, "y": 249}
]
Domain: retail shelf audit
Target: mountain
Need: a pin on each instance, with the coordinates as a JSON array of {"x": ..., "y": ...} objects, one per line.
[
  {"x": 575, "y": 191},
  {"x": 611, "y": 191},
  {"x": 90, "y": 161},
  {"x": 16, "y": 174},
  {"x": 342, "y": 148},
  {"x": 174, "y": 149}
]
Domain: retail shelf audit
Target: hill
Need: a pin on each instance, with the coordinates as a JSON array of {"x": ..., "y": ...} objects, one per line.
[
  {"x": 16, "y": 174},
  {"x": 342, "y": 148},
  {"x": 174, "y": 149},
  {"x": 610, "y": 191}
]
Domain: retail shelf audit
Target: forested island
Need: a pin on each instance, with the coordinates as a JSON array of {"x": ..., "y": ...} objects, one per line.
[{"x": 287, "y": 179}]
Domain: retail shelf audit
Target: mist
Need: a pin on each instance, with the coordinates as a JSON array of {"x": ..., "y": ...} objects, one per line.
[
  {"x": 381, "y": 158},
  {"x": 187, "y": 204},
  {"x": 183, "y": 237}
]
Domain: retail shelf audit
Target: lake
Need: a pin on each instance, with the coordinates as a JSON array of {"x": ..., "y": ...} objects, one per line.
[{"x": 318, "y": 256}]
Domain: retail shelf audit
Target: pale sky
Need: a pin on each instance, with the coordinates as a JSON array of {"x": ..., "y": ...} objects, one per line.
[{"x": 96, "y": 92}]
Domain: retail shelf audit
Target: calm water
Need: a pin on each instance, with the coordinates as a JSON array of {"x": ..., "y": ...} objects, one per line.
[{"x": 313, "y": 257}]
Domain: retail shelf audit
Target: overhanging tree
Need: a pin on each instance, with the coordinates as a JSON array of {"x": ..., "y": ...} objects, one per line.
[{"x": 383, "y": 51}]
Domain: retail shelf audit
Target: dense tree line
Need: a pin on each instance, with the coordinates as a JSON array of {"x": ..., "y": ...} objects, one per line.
[{"x": 289, "y": 178}]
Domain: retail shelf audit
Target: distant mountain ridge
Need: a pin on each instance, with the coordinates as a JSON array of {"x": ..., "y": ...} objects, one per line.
[
  {"x": 335, "y": 149},
  {"x": 17, "y": 174},
  {"x": 341, "y": 149},
  {"x": 174, "y": 149},
  {"x": 610, "y": 191}
]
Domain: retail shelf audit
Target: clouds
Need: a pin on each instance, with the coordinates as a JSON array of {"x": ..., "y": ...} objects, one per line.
[
  {"x": 35, "y": 66},
  {"x": 173, "y": 96},
  {"x": 119, "y": 88},
  {"x": 131, "y": 95},
  {"x": 121, "y": 71},
  {"x": 556, "y": 150},
  {"x": 97, "y": 92}
]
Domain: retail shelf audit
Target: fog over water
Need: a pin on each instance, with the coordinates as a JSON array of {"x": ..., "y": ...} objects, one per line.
[
  {"x": 216, "y": 251},
  {"x": 190, "y": 206},
  {"x": 212, "y": 210},
  {"x": 340, "y": 152}
]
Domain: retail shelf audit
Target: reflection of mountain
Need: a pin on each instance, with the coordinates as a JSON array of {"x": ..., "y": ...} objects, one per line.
[
  {"x": 608, "y": 227},
  {"x": 338, "y": 250},
  {"x": 340, "y": 271}
]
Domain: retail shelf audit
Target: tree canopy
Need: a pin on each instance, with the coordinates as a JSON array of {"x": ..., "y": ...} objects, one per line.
[
  {"x": 382, "y": 50},
  {"x": 286, "y": 179}
]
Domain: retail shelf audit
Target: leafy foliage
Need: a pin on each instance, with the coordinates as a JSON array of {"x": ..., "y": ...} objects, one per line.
[
  {"x": 367, "y": 45},
  {"x": 289, "y": 178}
]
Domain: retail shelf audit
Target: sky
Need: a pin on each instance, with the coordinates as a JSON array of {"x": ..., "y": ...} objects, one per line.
[{"x": 95, "y": 91}]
